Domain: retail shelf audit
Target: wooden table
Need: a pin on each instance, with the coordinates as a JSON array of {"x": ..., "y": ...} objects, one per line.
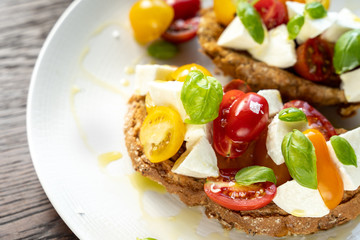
[{"x": 25, "y": 211}]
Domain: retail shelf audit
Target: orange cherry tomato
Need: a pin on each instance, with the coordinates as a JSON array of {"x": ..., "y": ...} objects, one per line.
[
  {"x": 149, "y": 19},
  {"x": 181, "y": 73},
  {"x": 224, "y": 11},
  {"x": 330, "y": 184}
]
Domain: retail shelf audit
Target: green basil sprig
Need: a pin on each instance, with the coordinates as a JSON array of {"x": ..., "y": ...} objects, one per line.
[
  {"x": 251, "y": 20},
  {"x": 347, "y": 52},
  {"x": 300, "y": 158},
  {"x": 292, "y": 115},
  {"x": 201, "y": 96},
  {"x": 255, "y": 174},
  {"x": 162, "y": 49},
  {"x": 315, "y": 10},
  {"x": 343, "y": 150},
  {"x": 294, "y": 26}
]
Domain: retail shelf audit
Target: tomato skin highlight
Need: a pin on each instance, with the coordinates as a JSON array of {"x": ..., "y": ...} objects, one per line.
[
  {"x": 224, "y": 145},
  {"x": 314, "y": 60},
  {"x": 247, "y": 118},
  {"x": 184, "y": 9},
  {"x": 181, "y": 72},
  {"x": 330, "y": 184},
  {"x": 233, "y": 196},
  {"x": 315, "y": 118},
  {"x": 182, "y": 30},
  {"x": 272, "y": 12}
]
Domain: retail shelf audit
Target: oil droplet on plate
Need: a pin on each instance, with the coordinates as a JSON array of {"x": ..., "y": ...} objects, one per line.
[
  {"x": 106, "y": 158},
  {"x": 125, "y": 82}
]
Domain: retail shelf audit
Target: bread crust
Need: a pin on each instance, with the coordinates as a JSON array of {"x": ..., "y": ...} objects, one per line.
[
  {"x": 259, "y": 75},
  {"x": 269, "y": 220}
]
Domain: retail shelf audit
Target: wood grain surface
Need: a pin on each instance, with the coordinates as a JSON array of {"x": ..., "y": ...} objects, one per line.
[{"x": 25, "y": 211}]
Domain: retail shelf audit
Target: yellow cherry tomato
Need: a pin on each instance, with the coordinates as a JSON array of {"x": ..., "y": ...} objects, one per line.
[
  {"x": 330, "y": 184},
  {"x": 224, "y": 11},
  {"x": 149, "y": 19},
  {"x": 162, "y": 134},
  {"x": 181, "y": 73},
  {"x": 149, "y": 103}
]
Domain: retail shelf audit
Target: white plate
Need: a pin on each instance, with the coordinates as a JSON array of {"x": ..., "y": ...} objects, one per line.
[{"x": 76, "y": 108}]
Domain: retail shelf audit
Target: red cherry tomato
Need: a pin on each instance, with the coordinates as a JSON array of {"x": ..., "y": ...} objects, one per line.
[
  {"x": 237, "y": 84},
  {"x": 229, "y": 194},
  {"x": 184, "y": 9},
  {"x": 222, "y": 143},
  {"x": 247, "y": 118},
  {"x": 315, "y": 118},
  {"x": 182, "y": 30},
  {"x": 314, "y": 60},
  {"x": 272, "y": 12}
]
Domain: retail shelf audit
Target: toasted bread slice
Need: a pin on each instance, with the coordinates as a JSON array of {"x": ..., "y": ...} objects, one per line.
[
  {"x": 269, "y": 220},
  {"x": 259, "y": 75}
]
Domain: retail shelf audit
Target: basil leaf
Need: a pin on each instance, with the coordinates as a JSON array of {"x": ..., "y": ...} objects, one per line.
[
  {"x": 315, "y": 10},
  {"x": 344, "y": 151},
  {"x": 347, "y": 52},
  {"x": 251, "y": 20},
  {"x": 162, "y": 49},
  {"x": 292, "y": 115},
  {"x": 255, "y": 174},
  {"x": 300, "y": 158},
  {"x": 294, "y": 26},
  {"x": 201, "y": 96}
]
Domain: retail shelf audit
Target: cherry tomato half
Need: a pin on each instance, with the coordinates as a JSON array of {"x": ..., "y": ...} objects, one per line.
[
  {"x": 181, "y": 72},
  {"x": 247, "y": 117},
  {"x": 330, "y": 184},
  {"x": 149, "y": 19},
  {"x": 239, "y": 85},
  {"x": 272, "y": 12},
  {"x": 162, "y": 133},
  {"x": 315, "y": 118},
  {"x": 184, "y": 9},
  {"x": 182, "y": 30},
  {"x": 314, "y": 60},
  {"x": 222, "y": 143},
  {"x": 229, "y": 194},
  {"x": 224, "y": 11}
]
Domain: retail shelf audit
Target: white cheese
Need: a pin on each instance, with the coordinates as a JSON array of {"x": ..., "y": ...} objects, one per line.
[
  {"x": 349, "y": 174},
  {"x": 350, "y": 83},
  {"x": 279, "y": 51},
  {"x": 277, "y": 130},
  {"x": 236, "y": 36},
  {"x": 312, "y": 27},
  {"x": 345, "y": 21},
  {"x": 199, "y": 161},
  {"x": 167, "y": 93},
  {"x": 274, "y": 100},
  {"x": 195, "y": 131},
  {"x": 300, "y": 201},
  {"x": 144, "y": 74}
]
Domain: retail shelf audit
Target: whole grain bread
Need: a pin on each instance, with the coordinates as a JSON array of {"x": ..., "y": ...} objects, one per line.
[
  {"x": 269, "y": 220},
  {"x": 259, "y": 75}
]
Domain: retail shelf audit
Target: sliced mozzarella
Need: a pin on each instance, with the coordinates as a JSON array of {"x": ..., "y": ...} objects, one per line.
[
  {"x": 350, "y": 83},
  {"x": 199, "y": 161},
  {"x": 279, "y": 51},
  {"x": 144, "y": 74},
  {"x": 237, "y": 37},
  {"x": 167, "y": 93},
  {"x": 345, "y": 21},
  {"x": 274, "y": 100},
  {"x": 195, "y": 131},
  {"x": 300, "y": 201},
  {"x": 312, "y": 27},
  {"x": 350, "y": 174},
  {"x": 277, "y": 130}
]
